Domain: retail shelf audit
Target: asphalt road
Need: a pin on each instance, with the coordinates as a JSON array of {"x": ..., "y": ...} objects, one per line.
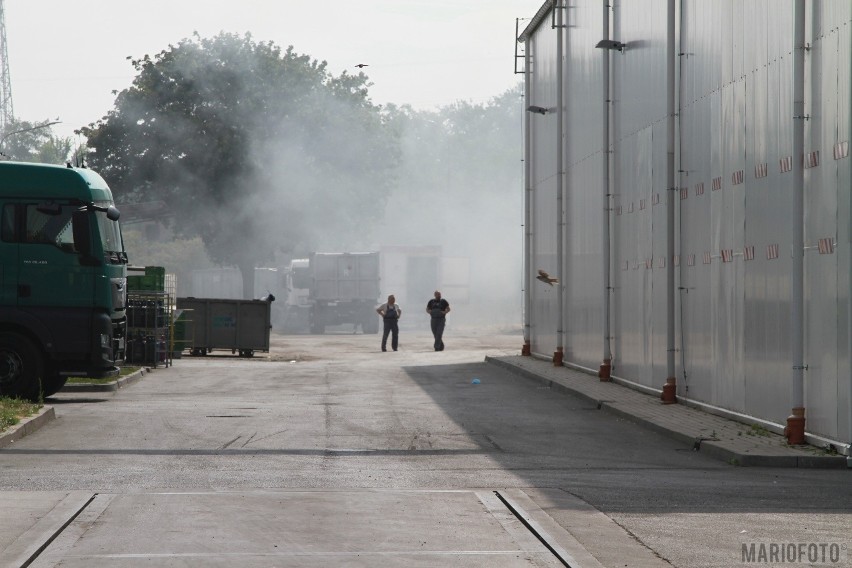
[{"x": 329, "y": 433}]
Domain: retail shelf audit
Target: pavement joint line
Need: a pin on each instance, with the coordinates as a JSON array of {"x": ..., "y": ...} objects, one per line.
[
  {"x": 538, "y": 531},
  {"x": 715, "y": 436}
]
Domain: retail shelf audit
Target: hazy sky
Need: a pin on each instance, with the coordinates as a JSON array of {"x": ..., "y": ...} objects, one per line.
[{"x": 67, "y": 57}]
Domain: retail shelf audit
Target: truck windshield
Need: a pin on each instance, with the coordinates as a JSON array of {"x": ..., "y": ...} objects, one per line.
[
  {"x": 54, "y": 224},
  {"x": 110, "y": 234}
]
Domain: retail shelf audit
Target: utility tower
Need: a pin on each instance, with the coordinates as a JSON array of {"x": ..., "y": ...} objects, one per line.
[{"x": 7, "y": 113}]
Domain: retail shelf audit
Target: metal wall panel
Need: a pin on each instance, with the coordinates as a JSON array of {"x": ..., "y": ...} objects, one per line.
[
  {"x": 544, "y": 314},
  {"x": 584, "y": 188},
  {"x": 639, "y": 149},
  {"x": 734, "y": 202},
  {"x": 841, "y": 17}
]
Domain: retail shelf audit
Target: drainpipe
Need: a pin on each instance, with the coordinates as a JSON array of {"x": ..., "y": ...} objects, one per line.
[
  {"x": 795, "y": 430},
  {"x": 560, "y": 213},
  {"x": 670, "y": 388},
  {"x": 605, "y": 369},
  {"x": 527, "y": 349}
]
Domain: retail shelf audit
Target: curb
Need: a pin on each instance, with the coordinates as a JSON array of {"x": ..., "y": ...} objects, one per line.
[
  {"x": 27, "y": 426},
  {"x": 713, "y": 448},
  {"x": 107, "y": 387}
]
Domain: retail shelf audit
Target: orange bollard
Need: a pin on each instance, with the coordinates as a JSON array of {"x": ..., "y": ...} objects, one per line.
[{"x": 669, "y": 395}]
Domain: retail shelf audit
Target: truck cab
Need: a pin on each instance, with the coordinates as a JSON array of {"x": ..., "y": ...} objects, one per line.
[{"x": 63, "y": 275}]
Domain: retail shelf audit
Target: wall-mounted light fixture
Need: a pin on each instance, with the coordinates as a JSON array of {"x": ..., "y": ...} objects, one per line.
[
  {"x": 538, "y": 109},
  {"x": 611, "y": 44}
]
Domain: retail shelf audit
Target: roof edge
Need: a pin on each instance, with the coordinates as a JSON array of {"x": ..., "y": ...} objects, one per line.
[{"x": 536, "y": 21}]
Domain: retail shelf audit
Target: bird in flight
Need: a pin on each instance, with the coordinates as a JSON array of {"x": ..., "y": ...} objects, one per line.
[
  {"x": 362, "y": 65},
  {"x": 546, "y": 278}
]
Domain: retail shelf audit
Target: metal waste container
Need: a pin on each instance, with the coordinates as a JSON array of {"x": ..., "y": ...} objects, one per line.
[{"x": 239, "y": 325}]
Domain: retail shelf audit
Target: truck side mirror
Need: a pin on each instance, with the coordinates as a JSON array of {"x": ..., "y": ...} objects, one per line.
[{"x": 112, "y": 213}]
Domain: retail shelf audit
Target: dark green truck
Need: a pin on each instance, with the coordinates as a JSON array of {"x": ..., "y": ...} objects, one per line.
[{"x": 63, "y": 278}]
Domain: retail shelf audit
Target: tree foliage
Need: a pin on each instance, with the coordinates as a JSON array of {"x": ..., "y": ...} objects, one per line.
[
  {"x": 25, "y": 141},
  {"x": 255, "y": 149}
]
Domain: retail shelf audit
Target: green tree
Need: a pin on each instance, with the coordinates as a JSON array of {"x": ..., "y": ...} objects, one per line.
[
  {"x": 34, "y": 142},
  {"x": 255, "y": 149}
]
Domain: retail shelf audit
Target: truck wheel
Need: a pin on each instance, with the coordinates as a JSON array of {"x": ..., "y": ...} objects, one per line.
[
  {"x": 21, "y": 367},
  {"x": 52, "y": 384},
  {"x": 370, "y": 326}
]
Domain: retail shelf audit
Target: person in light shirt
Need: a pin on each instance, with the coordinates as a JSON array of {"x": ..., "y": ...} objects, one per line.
[{"x": 390, "y": 313}]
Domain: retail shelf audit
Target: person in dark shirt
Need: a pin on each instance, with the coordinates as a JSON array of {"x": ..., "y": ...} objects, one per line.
[
  {"x": 438, "y": 308},
  {"x": 390, "y": 313}
]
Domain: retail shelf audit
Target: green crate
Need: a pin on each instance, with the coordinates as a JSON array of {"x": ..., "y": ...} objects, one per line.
[{"x": 154, "y": 280}]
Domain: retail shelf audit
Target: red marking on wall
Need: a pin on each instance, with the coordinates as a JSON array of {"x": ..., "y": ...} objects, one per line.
[
  {"x": 717, "y": 184},
  {"x": 727, "y": 255},
  {"x": 748, "y": 253},
  {"x": 826, "y": 246},
  {"x": 841, "y": 150},
  {"x": 812, "y": 159},
  {"x": 690, "y": 260},
  {"x": 771, "y": 252},
  {"x": 737, "y": 177},
  {"x": 699, "y": 188},
  {"x": 761, "y": 170},
  {"x": 707, "y": 258},
  {"x": 786, "y": 164}
]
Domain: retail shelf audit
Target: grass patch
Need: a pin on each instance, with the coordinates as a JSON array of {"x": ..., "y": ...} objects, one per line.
[
  {"x": 757, "y": 430},
  {"x": 123, "y": 372},
  {"x": 13, "y": 410}
]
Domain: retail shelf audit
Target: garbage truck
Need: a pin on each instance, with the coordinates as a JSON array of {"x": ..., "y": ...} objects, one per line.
[
  {"x": 63, "y": 279},
  {"x": 332, "y": 288}
]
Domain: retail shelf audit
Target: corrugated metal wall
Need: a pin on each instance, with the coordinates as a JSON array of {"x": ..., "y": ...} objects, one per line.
[
  {"x": 542, "y": 74},
  {"x": 733, "y": 200}
]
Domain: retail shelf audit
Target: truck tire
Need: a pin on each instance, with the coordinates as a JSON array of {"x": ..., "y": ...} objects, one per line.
[
  {"x": 21, "y": 367},
  {"x": 52, "y": 384}
]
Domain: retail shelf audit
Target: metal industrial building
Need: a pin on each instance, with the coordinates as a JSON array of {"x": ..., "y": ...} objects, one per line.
[{"x": 687, "y": 182}]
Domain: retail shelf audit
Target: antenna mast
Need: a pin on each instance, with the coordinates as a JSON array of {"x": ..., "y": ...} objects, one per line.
[{"x": 7, "y": 113}]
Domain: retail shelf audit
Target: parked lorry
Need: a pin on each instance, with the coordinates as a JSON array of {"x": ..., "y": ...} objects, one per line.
[
  {"x": 63, "y": 276},
  {"x": 330, "y": 289}
]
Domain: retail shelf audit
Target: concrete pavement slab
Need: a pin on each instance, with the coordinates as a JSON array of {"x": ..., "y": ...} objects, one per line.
[
  {"x": 32, "y": 519},
  {"x": 721, "y": 438},
  {"x": 307, "y": 528}
]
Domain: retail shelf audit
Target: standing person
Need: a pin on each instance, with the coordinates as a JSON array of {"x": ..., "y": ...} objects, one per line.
[
  {"x": 390, "y": 313},
  {"x": 438, "y": 308}
]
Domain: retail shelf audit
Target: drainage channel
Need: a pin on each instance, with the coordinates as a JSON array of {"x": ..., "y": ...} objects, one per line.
[
  {"x": 57, "y": 532},
  {"x": 538, "y": 531}
]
